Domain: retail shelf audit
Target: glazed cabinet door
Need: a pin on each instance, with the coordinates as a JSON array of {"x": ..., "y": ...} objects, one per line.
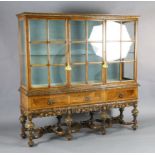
[
  {"x": 77, "y": 51},
  {"x": 120, "y": 50},
  {"x": 47, "y": 42},
  {"x": 86, "y": 51}
]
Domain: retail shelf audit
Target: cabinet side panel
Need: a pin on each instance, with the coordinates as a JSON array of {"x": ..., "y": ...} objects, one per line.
[
  {"x": 22, "y": 52},
  {"x": 24, "y": 102}
]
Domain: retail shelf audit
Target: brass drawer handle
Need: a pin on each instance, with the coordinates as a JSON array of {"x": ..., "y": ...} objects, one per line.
[
  {"x": 87, "y": 98},
  {"x": 120, "y": 95},
  {"x": 50, "y": 101}
]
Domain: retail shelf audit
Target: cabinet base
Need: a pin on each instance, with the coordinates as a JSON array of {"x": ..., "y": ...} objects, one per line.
[{"x": 66, "y": 128}]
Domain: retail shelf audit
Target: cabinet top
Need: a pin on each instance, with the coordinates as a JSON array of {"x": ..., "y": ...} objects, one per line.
[{"x": 107, "y": 16}]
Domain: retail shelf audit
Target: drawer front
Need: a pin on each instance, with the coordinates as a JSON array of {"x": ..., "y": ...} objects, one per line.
[
  {"x": 49, "y": 101},
  {"x": 86, "y": 97},
  {"x": 121, "y": 94}
]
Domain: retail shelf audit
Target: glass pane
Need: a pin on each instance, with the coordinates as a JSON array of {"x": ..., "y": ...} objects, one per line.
[
  {"x": 95, "y": 72},
  {"x": 58, "y": 75},
  {"x": 94, "y": 52},
  {"x": 128, "y": 71},
  {"x": 78, "y": 30},
  {"x": 78, "y": 74},
  {"x": 22, "y": 37},
  {"x": 113, "y": 72},
  {"x": 39, "y": 76},
  {"x": 23, "y": 53},
  {"x": 113, "y": 30},
  {"x": 57, "y": 53},
  {"x": 127, "y": 31},
  {"x": 23, "y": 67},
  {"x": 38, "y": 30},
  {"x": 78, "y": 52},
  {"x": 128, "y": 50},
  {"x": 39, "y": 54},
  {"x": 56, "y": 29},
  {"x": 94, "y": 31},
  {"x": 113, "y": 51}
]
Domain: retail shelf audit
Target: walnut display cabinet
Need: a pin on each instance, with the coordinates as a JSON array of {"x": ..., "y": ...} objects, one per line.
[{"x": 76, "y": 63}]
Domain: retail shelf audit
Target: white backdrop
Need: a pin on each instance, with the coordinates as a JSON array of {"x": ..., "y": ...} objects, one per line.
[{"x": 117, "y": 139}]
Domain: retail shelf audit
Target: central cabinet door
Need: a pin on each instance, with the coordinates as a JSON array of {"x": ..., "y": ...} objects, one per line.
[{"x": 86, "y": 51}]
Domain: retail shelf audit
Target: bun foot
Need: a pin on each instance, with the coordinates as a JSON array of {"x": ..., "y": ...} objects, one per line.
[
  {"x": 69, "y": 138},
  {"x": 31, "y": 143},
  {"x": 23, "y": 136},
  {"x": 103, "y": 132},
  {"x": 134, "y": 127}
]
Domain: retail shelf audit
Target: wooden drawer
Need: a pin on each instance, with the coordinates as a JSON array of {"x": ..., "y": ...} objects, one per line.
[
  {"x": 86, "y": 97},
  {"x": 121, "y": 94},
  {"x": 49, "y": 101}
]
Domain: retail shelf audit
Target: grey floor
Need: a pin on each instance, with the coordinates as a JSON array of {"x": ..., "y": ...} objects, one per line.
[{"x": 118, "y": 139}]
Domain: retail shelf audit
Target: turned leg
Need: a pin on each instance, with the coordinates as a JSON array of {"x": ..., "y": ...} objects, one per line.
[
  {"x": 23, "y": 129},
  {"x": 59, "y": 129},
  {"x": 135, "y": 114},
  {"x": 121, "y": 115},
  {"x": 91, "y": 118},
  {"x": 103, "y": 117},
  {"x": 30, "y": 128},
  {"x": 109, "y": 119},
  {"x": 68, "y": 121}
]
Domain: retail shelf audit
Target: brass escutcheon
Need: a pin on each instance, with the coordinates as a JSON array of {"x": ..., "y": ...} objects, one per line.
[
  {"x": 87, "y": 98},
  {"x": 50, "y": 101},
  {"x": 120, "y": 95}
]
